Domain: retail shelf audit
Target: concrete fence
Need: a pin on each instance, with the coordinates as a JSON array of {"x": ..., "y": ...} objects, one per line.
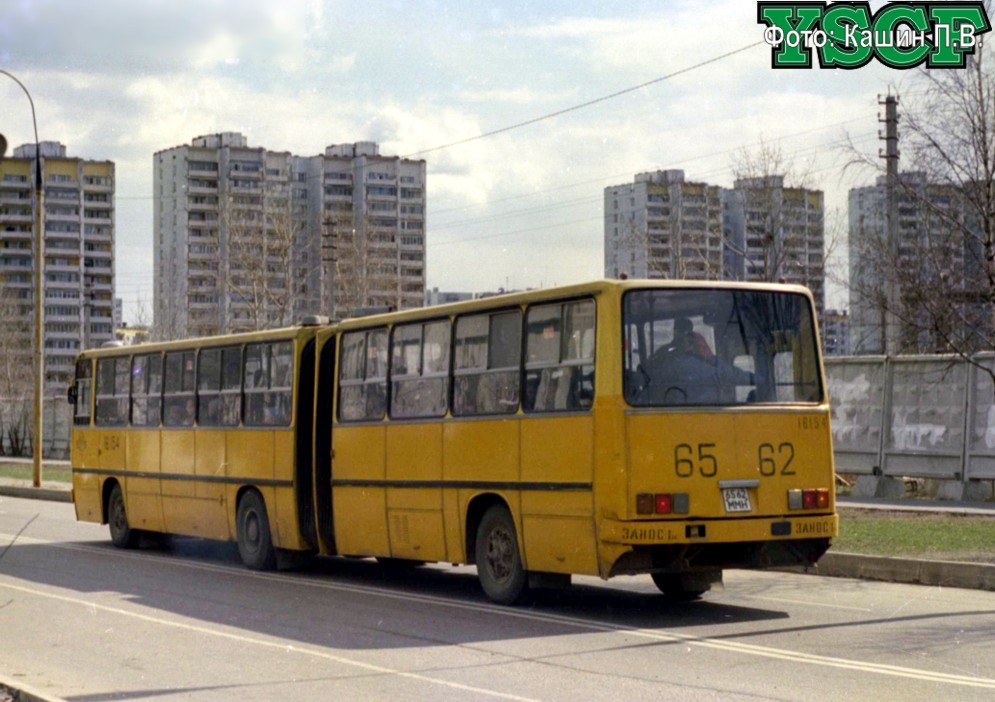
[
  {"x": 927, "y": 417},
  {"x": 16, "y": 423}
]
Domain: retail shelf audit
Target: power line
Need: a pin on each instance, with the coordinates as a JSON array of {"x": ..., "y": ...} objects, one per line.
[{"x": 582, "y": 105}]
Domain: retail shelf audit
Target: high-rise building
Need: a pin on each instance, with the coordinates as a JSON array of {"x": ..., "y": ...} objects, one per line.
[
  {"x": 373, "y": 211},
  {"x": 247, "y": 238},
  {"x": 79, "y": 256},
  {"x": 776, "y": 233},
  {"x": 835, "y": 331},
  {"x": 897, "y": 276},
  {"x": 661, "y": 226}
]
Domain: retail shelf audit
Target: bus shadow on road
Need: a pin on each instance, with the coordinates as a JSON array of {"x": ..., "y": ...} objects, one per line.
[{"x": 327, "y": 600}]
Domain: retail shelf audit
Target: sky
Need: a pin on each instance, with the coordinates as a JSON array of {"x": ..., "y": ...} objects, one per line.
[{"x": 121, "y": 79}]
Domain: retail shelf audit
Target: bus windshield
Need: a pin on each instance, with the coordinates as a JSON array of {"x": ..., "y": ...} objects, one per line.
[{"x": 719, "y": 347}]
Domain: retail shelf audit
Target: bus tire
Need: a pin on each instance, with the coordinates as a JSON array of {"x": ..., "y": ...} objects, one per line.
[
  {"x": 679, "y": 588},
  {"x": 255, "y": 543},
  {"x": 499, "y": 563},
  {"x": 122, "y": 535}
]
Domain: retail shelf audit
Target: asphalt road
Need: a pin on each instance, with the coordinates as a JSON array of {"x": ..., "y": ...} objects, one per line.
[{"x": 82, "y": 621}]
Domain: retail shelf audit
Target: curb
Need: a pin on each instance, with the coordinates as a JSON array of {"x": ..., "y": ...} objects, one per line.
[
  {"x": 33, "y": 493},
  {"x": 19, "y": 692},
  {"x": 976, "y": 576}
]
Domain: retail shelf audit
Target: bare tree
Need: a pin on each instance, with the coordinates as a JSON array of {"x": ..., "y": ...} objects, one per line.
[
  {"x": 767, "y": 182},
  {"x": 264, "y": 273},
  {"x": 16, "y": 372},
  {"x": 777, "y": 231},
  {"x": 363, "y": 264},
  {"x": 932, "y": 267}
]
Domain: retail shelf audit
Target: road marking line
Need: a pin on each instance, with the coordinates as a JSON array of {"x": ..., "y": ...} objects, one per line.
[
  {"x": 283, "y": 647},
  {"x": 807, "y": 603},
  {"x": 575, "y": 622}
]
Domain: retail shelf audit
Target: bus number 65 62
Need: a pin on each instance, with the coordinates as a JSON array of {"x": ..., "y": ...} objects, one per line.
[
  {"x": 685, "y": 462},
  {"x": 770, "y": 459}
]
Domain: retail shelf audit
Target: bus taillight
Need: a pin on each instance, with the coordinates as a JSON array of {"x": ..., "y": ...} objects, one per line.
[
  {"x": 808, "y": 499},
  {"x": 663, "y": 503}
]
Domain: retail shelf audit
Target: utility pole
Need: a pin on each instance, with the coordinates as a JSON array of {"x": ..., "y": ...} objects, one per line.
[
  {"x": 890, "y": 331},
  {"x": 39, "y": 271}
]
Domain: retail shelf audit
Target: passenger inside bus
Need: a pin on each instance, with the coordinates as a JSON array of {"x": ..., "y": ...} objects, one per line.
[
  {"x": 687, "y": 371},
  {"x": 688, "y": 341}
]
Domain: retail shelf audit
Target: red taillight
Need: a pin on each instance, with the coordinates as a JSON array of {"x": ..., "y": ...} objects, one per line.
[
  {"x": 808, "y": 499},
  {"x": 662, "y": 503}
]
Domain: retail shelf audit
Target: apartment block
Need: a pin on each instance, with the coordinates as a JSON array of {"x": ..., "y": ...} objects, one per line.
[
  {"x": 931, "y": 249},
  {"x": 835, "y": 330},
  {"x": 662, "y": 226},
  {"x": 775, "y": 233},
  {"x": 249, "y": 238},
  {"x": 79, "y": 255},
  {"x": 373, "y": 211}
]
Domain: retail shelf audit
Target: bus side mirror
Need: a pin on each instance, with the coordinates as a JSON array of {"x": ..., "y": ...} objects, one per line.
[{"x": 72, "y": 394}]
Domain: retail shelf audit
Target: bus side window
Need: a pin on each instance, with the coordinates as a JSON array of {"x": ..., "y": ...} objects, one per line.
[
  {"x": 113, "y": 384},
  {"x": 363, "y": 376},
  {"x": 420, "y": 369},
  {"x": 268, "y": 383},
  {"x": 488, "y": 358},
  {"x": 559, "y": 372},
  {"x": 219, "y": 386},
  {"x": 146, "y": 390},
  {"x": 178, "y": 395},
  {"x": 81, "y": 411}
]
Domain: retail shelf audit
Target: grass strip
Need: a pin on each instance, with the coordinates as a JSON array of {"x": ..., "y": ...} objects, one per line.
[
  {"x": 25, "y": 471},
  {"x": 934, "y": 536}
]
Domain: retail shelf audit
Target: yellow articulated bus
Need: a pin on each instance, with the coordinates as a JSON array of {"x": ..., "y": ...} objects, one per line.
[
  {"x": 205, "y": 437},
  {"x": 617, "y": 427}
]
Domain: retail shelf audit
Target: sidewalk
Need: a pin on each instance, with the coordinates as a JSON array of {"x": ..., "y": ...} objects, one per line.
[{"x": 979, "y": 576}]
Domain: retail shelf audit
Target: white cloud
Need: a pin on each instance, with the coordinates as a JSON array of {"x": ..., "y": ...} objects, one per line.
[{"x": 121, "y": 80}]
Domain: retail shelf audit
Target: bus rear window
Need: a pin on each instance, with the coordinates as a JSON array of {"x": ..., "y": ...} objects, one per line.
[{"x": 719, "y": 347}]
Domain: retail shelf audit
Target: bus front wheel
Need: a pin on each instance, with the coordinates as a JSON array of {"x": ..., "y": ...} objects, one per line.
[
  {"x": 499, "y": 563},
  {"x": 255, "y": 543},
  {"x": 122, "y": 535}
]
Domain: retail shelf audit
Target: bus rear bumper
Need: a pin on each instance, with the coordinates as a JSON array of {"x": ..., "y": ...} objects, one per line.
[
  {"x": 702, "y": 545},
  {"x": 824, "y": 526}
]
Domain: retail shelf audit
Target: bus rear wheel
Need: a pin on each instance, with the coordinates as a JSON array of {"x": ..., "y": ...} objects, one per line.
[
  {"x": 255, "y": 543},
  {"x": 499, "y": 563},
  {"x": 122, "y": 535},
  {"x": 685, "y": 587}
]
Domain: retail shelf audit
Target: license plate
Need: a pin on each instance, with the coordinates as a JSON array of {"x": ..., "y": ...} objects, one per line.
[{"x": 737, "y": 499}]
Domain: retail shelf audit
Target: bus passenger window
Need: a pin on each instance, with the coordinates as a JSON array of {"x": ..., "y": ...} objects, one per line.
[
  {"x": 363, "y": 376},
  {"x": 420, "y": 370},
  {"x": 178, "y": 390},
  {"x": 268, "y": 384},
  {"x": 218, "y": 386},
  {"x": 146, "y": 390},
  {"x": 559, "y": 372},
  {"x": 81, "y": 412},
  {"x": 113, "y": 381},
  {"x": 486, "y": 370}
]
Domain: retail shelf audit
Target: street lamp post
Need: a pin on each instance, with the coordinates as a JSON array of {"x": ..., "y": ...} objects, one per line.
[{"x": 39, "y": 236}]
